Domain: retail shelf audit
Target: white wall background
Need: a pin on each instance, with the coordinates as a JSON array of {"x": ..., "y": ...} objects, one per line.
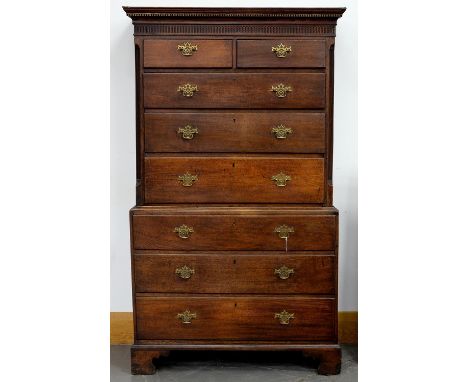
[{"x": 122, "y": 140}]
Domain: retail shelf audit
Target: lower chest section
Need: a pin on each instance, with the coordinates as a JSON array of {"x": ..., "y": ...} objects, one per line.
[{"x": 234, "y": 274}]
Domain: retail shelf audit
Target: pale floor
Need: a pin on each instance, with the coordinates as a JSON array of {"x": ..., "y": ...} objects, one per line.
[{"x": 231, "y": 367}]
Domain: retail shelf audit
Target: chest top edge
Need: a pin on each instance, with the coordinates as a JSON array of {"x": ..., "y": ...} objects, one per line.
[
  {"x": 139, "y": 13},
  {"x": 149, "y": 21}
]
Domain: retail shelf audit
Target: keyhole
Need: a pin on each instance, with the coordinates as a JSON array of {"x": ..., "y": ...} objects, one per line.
[{"x": 234, "y": 261}]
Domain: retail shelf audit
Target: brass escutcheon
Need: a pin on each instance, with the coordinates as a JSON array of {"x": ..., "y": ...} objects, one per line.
[
  {"x": 281, "y": 50},
  {"x": 187, "y": 90},
  {"x": 284, "y": 272},
  {"x": 281, "y": 131},
  {"x": 283, "y": 231},
  {"x": 281, "y": 179},
  {"x": 284, "y": 317},
  {"x": 184, "y": 231},
  {"x": 186, "y": 317},
  {"x": 188, "y": 179},
  {"x": 185, "y": 272},
  {"x": 281, "y": 90},
  {"x": 187, "y": 48},
  {"x": 188, "y": 131}
]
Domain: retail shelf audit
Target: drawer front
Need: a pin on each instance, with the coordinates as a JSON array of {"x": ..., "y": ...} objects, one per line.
[
  {"x": 234, "y": 232},
  {"x": 187, "y": 53},
  {"x": 235, "y": 318},
  {"x": 235, "y": 132},
  {"x": 234, "y": 90},
  {"x": 235, "y": 273},
  {"x": 219, "y": 179},
  {"x": 281, "y": 53}
]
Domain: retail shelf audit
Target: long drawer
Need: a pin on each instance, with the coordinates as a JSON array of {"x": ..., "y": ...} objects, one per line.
[
  {"x": 234, "y": 228},
  {"x": 276, "y": 273},
  {"x": 235, "y": 132},
  {"x": 234, "y": 179},
  {"x": 235, "y": 318},
  {"x": 234, "y": 90}
]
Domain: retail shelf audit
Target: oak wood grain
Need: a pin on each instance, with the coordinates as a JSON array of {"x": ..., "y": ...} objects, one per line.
[
  {"x": 234, "y": 90},
  {"x": 234, "y": 180},
  {"x": 236, "y": 317},
  {"x": 235, "y": 273},
  {"x": 233, "y": 232},
  {"x": 258, "y": 54},
  {"x": 235, "y": 132},
  {"x": 159, "y": 53}
]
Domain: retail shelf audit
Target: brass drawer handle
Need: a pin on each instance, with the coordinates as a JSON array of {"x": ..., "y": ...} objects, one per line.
[
  {"x": 188, "y": 179},
  {"x": 187, "y": 48},
  {"x": 284, "y": 317},
  {"x": 185, "y": 272},
  {"x": 283, "y": 272},
  {"x": 281, "y": 179},
  {"x": 186, "y": 317},
  {"x": 188, "y": 131},
  {"x": 281, "y": 50},
  {"x": 281, "y": 131},
  {"x": 187, "y": 90},
  {"x": 184, "y": 231},
  {"x": 283, "y": 231},
  {"x": 281, "y": 90}
]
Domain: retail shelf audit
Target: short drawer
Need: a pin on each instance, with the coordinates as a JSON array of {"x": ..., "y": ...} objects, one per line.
[
  {"x": 275, "y": 273},
  {"x": 234, "y": 90},
  {"x": 235, "y": 132},
  {"x": 235, "y": 318},
  {"x": 234, "y": 228},
  {"x": 187, "y": 53},
  {"x": 234, "y": 179},
  {"x": 282, "y": 53}
]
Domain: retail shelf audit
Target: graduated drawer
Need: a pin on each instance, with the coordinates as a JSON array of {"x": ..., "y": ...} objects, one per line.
[
  {"x": 234, "y": 228},
  {"x": 276, "y": 273},
  {"x": 234, "y": 179},
  {"x": 280, "y": 132},
  {"x": 235, "y": 318},
  {"x": 283, "y": 53},
  {"x": 187, "y": 53},
  {"x": 234, "y": 90}
]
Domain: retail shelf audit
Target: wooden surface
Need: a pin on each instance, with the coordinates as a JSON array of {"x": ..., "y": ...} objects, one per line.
[
  {"x": 121, "y": 328},
  {"x": 161, "y": 53},
  {"x": 348, "y": 327},
  {"x": 259, "y": 54},
  {"x": 329, "y": 360},
  {"x": 234, "y": 205},
  {"x": 234, "y": 179},
  {"x": 234, "y": 232},
  {"x": 142, "y": 360},
  {"x": 229, "y": 272},
  {"x": 235, "y": 318},
  {"x": 234, "y": 90},
  {"x": 226, "y": 132}
]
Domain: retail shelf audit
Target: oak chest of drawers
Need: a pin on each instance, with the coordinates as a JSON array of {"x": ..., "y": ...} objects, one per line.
[{"x": 234, "y": 235}]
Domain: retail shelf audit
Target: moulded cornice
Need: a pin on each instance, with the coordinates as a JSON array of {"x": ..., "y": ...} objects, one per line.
[{"x": 289, "y": 13}]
